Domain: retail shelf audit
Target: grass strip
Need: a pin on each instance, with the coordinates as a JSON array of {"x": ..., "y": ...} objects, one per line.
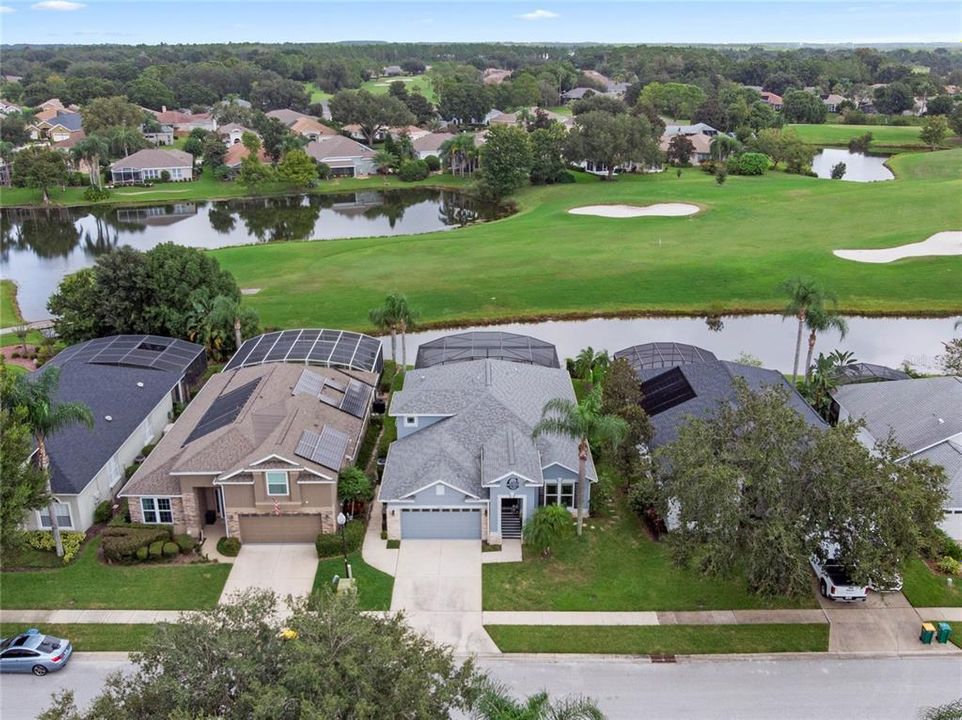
[
  {"x": 374, "y": 587},
  {"x": 92, "y": 637}
]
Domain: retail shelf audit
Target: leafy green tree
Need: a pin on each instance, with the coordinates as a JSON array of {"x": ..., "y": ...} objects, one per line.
[
  {"x": 194, "y": 146},
  {"x": 213, "y": 151},
  {"x": 549, "y": 525},
  {"x": 934, "y": 130},
  {"x": 150, "y": 92},
  {"x": 761, "y": 115},
  {"x": 955, "y": 119},
  {"x": 803, "y": 107},
  {"x": 125, "y": 140},
  {"x": 680, "y": 150},
  {"x": 90, "y": 150},
  {"x": 274, "y": 135},
  {"x": 676, "y": 100},
  {"x": 722, "y": 146},
  {"x": 613, "y": 140},
  {"x": 838, "y": 171},
  {"x": 395, "y": 315},
  {"x": 505, "y": 162},
  {"x": 621, "y": 387},
  {"x": 44, "y": 415},
  {"x": 738, "y": 505},
  {"x": 804, "y": 297},
  {"x": 712, "y": 112},
  {"x": 585, "y": 423},
  {"x": 952, "y": 359},
  {"x": 103, "y": 114},
  {"x": 297, "y": 169},
  {"x": 460, "y": 154},
  {"x": 894, "y": 98},
  {"x": 254, "y": 174},
  {"x": 463, "y": 102},
  {"x": 354, "y": 486},
  {"x": 374, "y": 113},
  {"x": 547, "y": 155},
  {"x": 236, "y": 661},
  {"x": 603, "y": 103},
  {"x": 385, "y": 161},
  {"x": 40, "y": 167},
  {"x": 23, "y": 487},
  {"x": 74, "y": 306},
  {"x": 272, "y": 92}
]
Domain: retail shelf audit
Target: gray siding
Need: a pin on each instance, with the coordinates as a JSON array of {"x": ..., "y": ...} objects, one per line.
[
  {"x": 449, "y": 496},
  {"x": 556, "y": 473},
  {"x": 530, "y": 502}
]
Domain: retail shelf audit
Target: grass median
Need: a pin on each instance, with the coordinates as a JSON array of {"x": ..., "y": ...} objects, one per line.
[
  {"x": 374, "y": 587},
  {"x": 92, "y": 637},
  {"x": 660, "y": 639}
]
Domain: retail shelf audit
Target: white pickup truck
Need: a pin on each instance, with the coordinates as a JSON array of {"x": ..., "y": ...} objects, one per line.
[{"x": 835, "y": 584}]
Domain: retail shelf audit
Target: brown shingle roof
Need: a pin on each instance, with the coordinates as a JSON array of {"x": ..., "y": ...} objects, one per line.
[
  {"x": 287, "y": 116},
  {"x": 309, "y": 126},
  {"x": 336, "y": 147},
  {"x": 155, "y": 158}
]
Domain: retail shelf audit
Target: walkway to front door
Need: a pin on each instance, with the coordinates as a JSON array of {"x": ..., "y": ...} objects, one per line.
[{"x": 438, "y": 586}]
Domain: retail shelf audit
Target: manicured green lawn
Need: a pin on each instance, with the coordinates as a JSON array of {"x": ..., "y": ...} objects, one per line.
[
  {"x": 87, "y": 583},
  {"x": 544, "y": 262},
  {"x": 659, "y": 639},
  {"x": 26, "y": 556},
  {"x": 924, "y": 588},
  {"x": 380, "y": 86},
  {"x": 615, "y": 566},
  {"x": 374, "y": 587},
  {"x": 92, "y": 637},
  {"x": 882, "y": 135},
  {"x": 317, "y": 95},
  {"x": 9, "y": 310}
]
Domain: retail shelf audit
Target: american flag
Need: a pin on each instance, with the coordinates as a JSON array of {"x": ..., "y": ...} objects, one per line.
[{"x": 277, "y": 507}]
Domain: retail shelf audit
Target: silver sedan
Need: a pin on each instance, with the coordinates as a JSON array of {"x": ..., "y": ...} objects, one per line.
[{"x": 34, "y": 652}]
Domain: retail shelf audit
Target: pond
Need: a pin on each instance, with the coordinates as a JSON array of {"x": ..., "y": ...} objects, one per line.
[
  {"x": 859, "y": 167},
  {"x": 769, "y": 338},
  {"x": 39, "y": 246}
]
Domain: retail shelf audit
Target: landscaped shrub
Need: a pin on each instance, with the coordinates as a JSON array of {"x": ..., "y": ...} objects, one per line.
[
  {"x": 120, "y": 543},
  {"x": 228, "y": 546},
  {"x": 171, "y": 549},
  {"x": 949, "y": 566},
  {"x": 949, "y": 547},
  {"x": 433, "y": 163},
  {"x": 103, "y": 512},
  {"x": 709, "y": 166},
  {"x": 165, "y": 176},
  {"x": 330, "y": 544},
  {"x": 156, "y": 549},
  {"x": 565, "y": 178},
  {"x": 93, "y": 194},
  {"x": 130, "y": 470},
  {"x": 185, "y": 542},
  {"x": 370, "y": 438},
  {"x": 748, "y": 163},
  {"x": 141, "y": 553},
  {"x": 43, "y": 540},
  {"x": 412, "y": 170},
  {"x": 122, "y": 516}
]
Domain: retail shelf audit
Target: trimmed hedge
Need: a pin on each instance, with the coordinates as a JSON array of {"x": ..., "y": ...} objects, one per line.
[
  {"x": 185, "y": 543},
  {"x": 330, "y": 544},
  {"x": 141, "y": 553},
  {"x": 156, "y": 549},
  {"x": 749, "y": 163},
  {"x": 171, "y": 549},
  {"x": 121, "y": 543},
  {"x": 228, "y": 546}
]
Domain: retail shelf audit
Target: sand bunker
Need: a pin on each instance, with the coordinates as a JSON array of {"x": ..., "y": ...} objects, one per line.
[
  {"x": 630, "y": 211},
  {"x": 943, "y": 243}
]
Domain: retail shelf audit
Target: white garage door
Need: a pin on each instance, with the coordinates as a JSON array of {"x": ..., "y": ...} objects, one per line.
[{"x": 441, "y": 523}]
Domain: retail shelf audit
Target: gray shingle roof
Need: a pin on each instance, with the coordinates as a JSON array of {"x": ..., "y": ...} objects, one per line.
[
  {"x": 337, "y": 146},
  {"x": 949, "y": 455},
  {"x": 155, "y": 158},
  {"x": 491, "y": 408},
  {"x": 920, "y": 412}
]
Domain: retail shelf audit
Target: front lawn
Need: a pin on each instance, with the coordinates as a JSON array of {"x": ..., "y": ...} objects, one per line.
[
  {"x": 92, "y": 637},
  {"x": 9, "y": 310},
  {"x": 660, "y": 639},
  {"x": 374, "y": 587},
  {"x": 89, "y": 584},
  {"x": 924, "y": 588},
  {"x": 615, "y": 566},
  {"x": 895, "y": 136}
]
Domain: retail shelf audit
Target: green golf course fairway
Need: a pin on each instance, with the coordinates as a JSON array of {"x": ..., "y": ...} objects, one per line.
[{"x": 753, "y": 233}]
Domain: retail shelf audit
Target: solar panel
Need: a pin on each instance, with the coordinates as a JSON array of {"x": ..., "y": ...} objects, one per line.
[
  {"x": 665, "y": 391},
  {"x": 331, "y": 348},
  {"x": 357, "y": 398},
  {"x": 309, "y": 384},
  {"x": 223, "y": 411},
  {"x": 326, "y": 448}
]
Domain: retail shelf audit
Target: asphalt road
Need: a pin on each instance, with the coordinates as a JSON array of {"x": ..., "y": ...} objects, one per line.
[{"x": 881, "y": 689}]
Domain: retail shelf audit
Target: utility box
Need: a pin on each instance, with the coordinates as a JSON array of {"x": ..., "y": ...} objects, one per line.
[
  {"x": 928, "y": 632},
  {"x": 944, "y": 632}
]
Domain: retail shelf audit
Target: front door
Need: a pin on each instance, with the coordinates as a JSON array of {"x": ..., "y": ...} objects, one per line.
[{"x": 510, "y": 517}]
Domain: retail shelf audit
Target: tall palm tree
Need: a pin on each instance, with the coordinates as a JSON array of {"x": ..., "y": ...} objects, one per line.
[
  {"x": 588, "y": 425},
  {"x": 123, "y": 138},
  {"x": 495, "y": 702},
  {"x": 383, "y": 319},
  {"x": 385, "y": 161},
  {"x": 460, "y": 154},
  {"x": 229, "y": 312},
  {"x": 803, "y": 296},
  {"x": 396, "y": 316},
  {"x": 821, "y": 319},
  {"x": 722, "y": 146},
  {"x": 91, "y": 149},
  {"x": 46, "y": 416},
  {"x": 590, "y": 365}
]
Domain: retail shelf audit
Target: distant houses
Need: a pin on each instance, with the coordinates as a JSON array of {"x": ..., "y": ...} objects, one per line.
[
  {"x": 151, "y": 165},
  {"x": 344, "y": 156},
  {"x": 183, "y": 122}
]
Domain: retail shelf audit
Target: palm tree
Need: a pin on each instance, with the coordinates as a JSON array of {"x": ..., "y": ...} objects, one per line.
[
  {"x": 495, "y": 702},
  {"x": 460, "y": 154},
  {"x": 385, "y": 161},
  {"x": 722, "y": 146},
  {"x": 396, "y": 316},
  {"x": 803, "y": 297},
  {"x": 585, "y": 423},
  {"x": 591, "y": 366},
  {"x": 46, "y": 416},
  {"x": 123, "y": 138},
  {"x": 202, "y": 327},
  {"x": 91, "y": 149},
  {"x": 228, "y": 312},
  {"x": 821, "y": 319}
]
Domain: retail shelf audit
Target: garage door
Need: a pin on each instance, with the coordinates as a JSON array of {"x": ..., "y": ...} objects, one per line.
[
  {"x": 450, "y": 524},
  {"x": 279, "y": 528}
]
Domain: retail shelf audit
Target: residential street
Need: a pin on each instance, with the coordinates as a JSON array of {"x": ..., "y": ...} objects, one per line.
[{"x": 882, "y": 689}]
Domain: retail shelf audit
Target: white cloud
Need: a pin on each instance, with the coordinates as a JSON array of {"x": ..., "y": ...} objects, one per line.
[
  {"x": 539, "y": 15},
  {"x": 61, "y": 5},
  {"x": 5, "y": 9}
]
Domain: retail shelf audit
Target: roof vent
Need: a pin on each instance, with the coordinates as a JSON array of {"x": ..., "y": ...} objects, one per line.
[
  {"x": 108, "y": 418},
  {"x": 941, "y": 421},
  {"x": 140, "y": 384}
]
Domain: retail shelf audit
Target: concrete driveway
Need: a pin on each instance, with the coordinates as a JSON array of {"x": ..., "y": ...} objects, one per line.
[
  {"x": 438, "y": 587},
  {"x": 285, "y": 568}
]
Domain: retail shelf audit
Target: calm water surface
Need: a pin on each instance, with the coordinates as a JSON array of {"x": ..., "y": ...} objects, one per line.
[{"x": 858, "y": 166}]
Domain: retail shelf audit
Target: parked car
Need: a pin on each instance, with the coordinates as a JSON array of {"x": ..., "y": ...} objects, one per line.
[
  {"x": 834, "y": 582},
  {"x": 32, "y": 651}
]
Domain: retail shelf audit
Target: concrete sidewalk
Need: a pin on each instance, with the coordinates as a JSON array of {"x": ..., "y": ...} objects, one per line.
[
  {"x": 715, "y": 617},
  {"x": 80, "y": 617},
  {"x": 374, "y": 550},
  {"x": 510, "y": 552}
]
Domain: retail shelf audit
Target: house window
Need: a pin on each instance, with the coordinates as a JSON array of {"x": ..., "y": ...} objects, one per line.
[
  {"x": 157, "y": 510},
  {"x": 439, "y": 489},
  {"x": 61, "y": 510},
  {"x": 113, "y": 470},
  {"x": 410, "y": 421},
  {"x": 276, "y": 482},
  {"x": 559, "y": 494}
]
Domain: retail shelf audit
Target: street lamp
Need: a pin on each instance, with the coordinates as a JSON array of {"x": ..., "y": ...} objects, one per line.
[{"x": 341, "y": 522}]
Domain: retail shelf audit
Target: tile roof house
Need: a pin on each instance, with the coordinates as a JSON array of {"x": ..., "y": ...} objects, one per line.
[
  {"x": 231, "y": 133},
  {"x": 311, "y": 129},
  {"x": 257, "y": 453},
  {"x": 412, "y": 131},
  {"x": 344, "y": 156},
  {"x": 494, "y": 76},
  {"x": 701, "y": 146},
  {"x": 150, "y": 164},
  {"x": 392, "y": 70},
  {"x": 57, "y": 127},
  {"x": 286, "y": 116},
  {"x": 924, "y": 415},
  {"x": 694, "y": 129},
  {"x": 772, "y": 100},
  {"x": 832, "y": 101},
  {"x": 464, "y": 464},
  {"x": 237, "y": 152},
  {"x": 130, "y": 383},
  {"x": 430, "y": 144},
  {"x": 184, "y": 122}
]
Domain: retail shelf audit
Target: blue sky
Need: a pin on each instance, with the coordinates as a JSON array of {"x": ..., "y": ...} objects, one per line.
[{"x": 668, "y": 21}]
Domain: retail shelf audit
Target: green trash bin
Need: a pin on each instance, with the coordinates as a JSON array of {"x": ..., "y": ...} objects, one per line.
[
  {"x": 945, "y": 632},
  {"x": 928, "y": 632}
]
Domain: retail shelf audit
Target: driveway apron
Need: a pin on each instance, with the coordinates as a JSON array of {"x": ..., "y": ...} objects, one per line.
[
  {"x": 285, "y": 568},
  {"x": 438, "y": 587}
]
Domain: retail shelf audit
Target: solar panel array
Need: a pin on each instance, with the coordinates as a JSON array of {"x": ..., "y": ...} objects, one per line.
[
  {"x": 326, "y": 448},
  {"x": 330, "y": 348},
  {"x": 664, "y": 355},
  {"x": 309, "y": 384},
  {"x": 482, "y": 344},
  {"x": 153, "y": 352},
  {"x": 665, "y": 391},
  {"x": 357, "y": 398},
  {"x": 223, "y": 411}
]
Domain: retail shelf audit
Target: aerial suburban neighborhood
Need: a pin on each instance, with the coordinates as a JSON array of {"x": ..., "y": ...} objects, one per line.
[{"x": 584, "y": 361}]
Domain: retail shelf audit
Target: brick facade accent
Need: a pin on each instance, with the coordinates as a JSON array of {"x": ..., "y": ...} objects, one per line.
[
  {"x": 176, "y": 511},
  {"x": 191, "y": 519}
]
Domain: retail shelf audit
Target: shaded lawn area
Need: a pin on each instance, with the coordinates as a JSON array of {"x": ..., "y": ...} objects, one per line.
[
  {"x": 660, "y": 639},
  {"x": 26, "y": 556},
  {"x": 374, "y": 587},
  {"x": 543, "y": 262},
  {"x": 923, "y": 588},
  {"x": 88, "y": 584},
  {"x": 92, "y": 637},
  {"x": 9, "y": 310},
  {"x": 615, "y": 566}
]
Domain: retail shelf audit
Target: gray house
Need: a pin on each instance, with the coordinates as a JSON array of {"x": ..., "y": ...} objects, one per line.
[
  {"x": 345, "y": 157},
  {"x": 464, "y": 464},
  {"x": 151, "y": 164},
  {"x": 130, "y": 383}
]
